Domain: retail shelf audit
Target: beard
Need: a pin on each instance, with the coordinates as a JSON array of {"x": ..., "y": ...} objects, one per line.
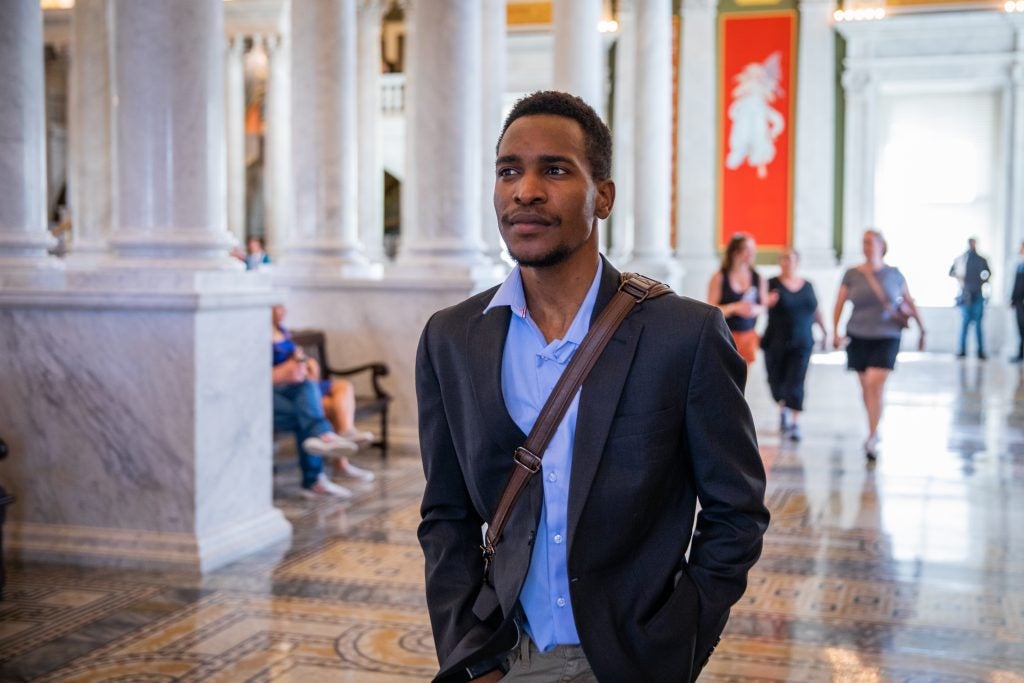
[{"x": 552, "y": 258}]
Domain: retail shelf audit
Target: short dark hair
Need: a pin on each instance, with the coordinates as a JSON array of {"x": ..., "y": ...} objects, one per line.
[{"x": 598, "y": 138}]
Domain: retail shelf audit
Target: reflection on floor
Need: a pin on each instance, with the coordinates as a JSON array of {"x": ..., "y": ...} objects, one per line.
[{"x": 912, "y": 570}]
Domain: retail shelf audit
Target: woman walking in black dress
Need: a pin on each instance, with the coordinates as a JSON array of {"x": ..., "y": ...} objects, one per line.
[{"x": 789, "y": 339}]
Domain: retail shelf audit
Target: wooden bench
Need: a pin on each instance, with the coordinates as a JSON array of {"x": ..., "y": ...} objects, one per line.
[
  {"x": 5, "y": 500},
  {"x": 371, "y": 400}
]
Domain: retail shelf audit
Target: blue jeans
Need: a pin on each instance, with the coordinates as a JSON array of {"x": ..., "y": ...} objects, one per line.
[
  {"x": 298, "y": 408},
  {"x": 972, "y": 313}
]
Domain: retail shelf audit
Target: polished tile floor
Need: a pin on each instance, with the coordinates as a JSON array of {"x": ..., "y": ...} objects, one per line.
[{"x": 911, "y": 570}]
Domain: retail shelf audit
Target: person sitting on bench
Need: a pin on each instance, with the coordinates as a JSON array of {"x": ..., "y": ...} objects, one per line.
[{"x": 298, "y": 407}]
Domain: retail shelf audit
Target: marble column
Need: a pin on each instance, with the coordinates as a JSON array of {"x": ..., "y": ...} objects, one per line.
[
  {"x": 1015, "y": 215},
  {"x": 652, "y": 250},
  {"x": 234, "y": 86},
  {"x": 371, "y": 169},
  {"x": 277, "y": 175},
  {"x": 579, "y": 57},
  {"x": 408, "y": 201},
  {"x": 813, "y": 206},
  {"x": 145, "y": 380},
  {"x": 622, "y": 218},
  {"x": 324, "y": 237},
  {"x": 90, "y": 133},
  {"x": 493, "y": 64},
  {"x": 695, "y": 176},
  {"x": 859, "y": 162},
  {"x": 23, "y": 234},
  {"x": 169, "y": 122},
  {"x": 442, "y": 235}
]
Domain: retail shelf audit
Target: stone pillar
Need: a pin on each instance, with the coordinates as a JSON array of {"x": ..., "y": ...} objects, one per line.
[
  {"x": 408, "y": 203},
  {"x": 813, "y": 207},
  {"x": 371, "y": 170},
  {"x": 652, "y": 251},
  {"x": 443, "y": 234},
  {"x": 1015, "y": 214},
  {"x": 170, "y": 97},
  {"x": 324, "y": 237},
  {"x": 90, "y": 133},
  {"x": 579, "y": 57},
  {"x": 493, "y": 64},
  {"x": 859, "y": 162},
  {"x": 277, "y": 176},
  {"x": 161, "y": 393},
  {"x": 23, "y": 234},
  {"x": 235, "y": 130},
  {"x": 622, "y": 218},
  {"x": 696, "y": 174}
]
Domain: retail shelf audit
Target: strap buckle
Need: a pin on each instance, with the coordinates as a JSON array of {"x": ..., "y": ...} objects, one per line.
[
  {"x": 638, "y": 286},
  {"x": 527, "y": 459},
  {"x": 487, "y": 550}
]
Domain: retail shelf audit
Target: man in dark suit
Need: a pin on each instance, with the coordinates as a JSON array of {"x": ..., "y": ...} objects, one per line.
[
  {"x": 591, "y": 579},
  {"x": 1017, "y": 302}
]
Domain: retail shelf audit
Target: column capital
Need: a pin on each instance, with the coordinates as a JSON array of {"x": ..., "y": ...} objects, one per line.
[
  {"x": 271, "y": 42},
  {"x": 236, "y": 44},
  {"x": 856, "y": 81},
  {"x": 371, "y": 6}
]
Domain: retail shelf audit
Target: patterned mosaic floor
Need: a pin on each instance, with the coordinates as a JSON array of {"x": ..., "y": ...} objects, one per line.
[{"x": 912, "y": 570}]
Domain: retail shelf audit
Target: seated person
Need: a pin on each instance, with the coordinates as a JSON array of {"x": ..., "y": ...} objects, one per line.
[
  {"x": 298, "y": 407},
  {"x": 256, "y": 255},
  {"x": 339, "y": 396}
]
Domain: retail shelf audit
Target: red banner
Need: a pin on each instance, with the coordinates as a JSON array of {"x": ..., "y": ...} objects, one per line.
[{"x": 756, "y": 102}]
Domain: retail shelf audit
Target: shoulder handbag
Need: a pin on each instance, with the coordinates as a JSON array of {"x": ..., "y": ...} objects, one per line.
[
  {"x": 900, "y": 312},
  {"x": 634, "y": 289}
]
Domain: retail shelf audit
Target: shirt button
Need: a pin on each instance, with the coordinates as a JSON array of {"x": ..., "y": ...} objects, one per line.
[
  {"x": 560, "y": 602},
  {"x": 558, "y": 538},
  {"x": 552, "y": 476}
]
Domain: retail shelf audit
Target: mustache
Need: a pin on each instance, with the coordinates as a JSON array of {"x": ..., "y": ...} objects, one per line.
[{"x": 528, "y": 217}]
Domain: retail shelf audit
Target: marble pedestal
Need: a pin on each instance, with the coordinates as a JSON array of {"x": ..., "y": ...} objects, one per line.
[
  {"x": 139, "y": 419},
  {"x": 377, "y": 320}
]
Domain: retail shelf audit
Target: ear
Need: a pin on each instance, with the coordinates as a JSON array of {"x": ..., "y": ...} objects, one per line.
[{"x": 605, "y": 198}]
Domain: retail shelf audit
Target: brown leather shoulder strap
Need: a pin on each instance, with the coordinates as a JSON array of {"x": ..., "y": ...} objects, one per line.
[
  {"x": 633, "y": 290},
  {"x": 877, "y": 288}
]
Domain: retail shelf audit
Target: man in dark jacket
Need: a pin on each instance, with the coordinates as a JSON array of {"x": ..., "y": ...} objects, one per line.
[
  {"x": 591, "y": 580},
  {"x": 972, "y": 271},
  {"x": 1017, "y": 302}
]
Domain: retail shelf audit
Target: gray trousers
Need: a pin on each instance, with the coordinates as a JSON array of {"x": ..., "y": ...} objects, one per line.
[{"x": 565, "y": 664}]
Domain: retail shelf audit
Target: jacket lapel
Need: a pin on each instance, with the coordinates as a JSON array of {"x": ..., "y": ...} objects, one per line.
[
  {"x": 599, "y": 399},
  {"x": 485, "y": 341}
]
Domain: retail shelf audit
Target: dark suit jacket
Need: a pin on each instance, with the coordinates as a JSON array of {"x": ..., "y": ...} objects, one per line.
[
  {"x": 1017, "y": 297},
  {"x": 662, "y": 423}
]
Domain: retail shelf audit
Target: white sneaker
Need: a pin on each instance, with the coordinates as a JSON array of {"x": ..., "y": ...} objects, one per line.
[
  {"x": 360, "y": 437},
  {"x": 350, "y": 471},
  {"x": 330, "y": 444},
  {"x": 325, "y": 487}
]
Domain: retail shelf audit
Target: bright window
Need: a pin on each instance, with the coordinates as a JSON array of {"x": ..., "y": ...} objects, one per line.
[{"x": 936, "y": 185}]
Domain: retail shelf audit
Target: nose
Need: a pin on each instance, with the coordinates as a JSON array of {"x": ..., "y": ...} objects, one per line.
[{"x": 529, "y": 190}]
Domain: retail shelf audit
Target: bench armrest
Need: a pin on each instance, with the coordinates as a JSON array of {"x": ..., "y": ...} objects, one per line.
[{"x": 378, "y": 370}]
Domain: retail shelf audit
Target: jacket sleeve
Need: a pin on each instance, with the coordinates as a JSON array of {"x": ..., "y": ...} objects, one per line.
[
  {"x": 729, "y": 477},
  {"x": 450, "y": 528}
]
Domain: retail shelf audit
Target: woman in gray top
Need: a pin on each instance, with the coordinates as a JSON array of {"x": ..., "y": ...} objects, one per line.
[{"x": 879, "y": 296}]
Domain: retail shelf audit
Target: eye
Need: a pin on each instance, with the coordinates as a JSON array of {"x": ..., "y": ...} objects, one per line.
[
  {"x": 506, "y": 172},
  {"x": 556, "y": 170}
]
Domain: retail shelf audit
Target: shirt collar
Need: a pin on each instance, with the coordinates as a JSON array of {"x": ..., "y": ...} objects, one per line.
[{"x": 511, "y": 294}]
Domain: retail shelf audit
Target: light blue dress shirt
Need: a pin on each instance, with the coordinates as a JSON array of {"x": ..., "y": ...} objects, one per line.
[{"x": 530, "y": 367}]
